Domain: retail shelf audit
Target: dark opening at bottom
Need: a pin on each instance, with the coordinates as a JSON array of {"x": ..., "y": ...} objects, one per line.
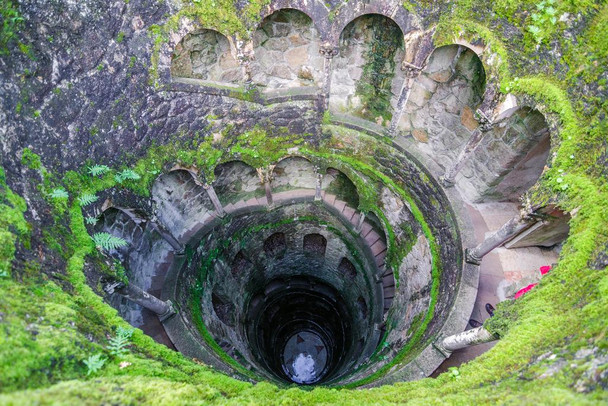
[{"x": 300, "y": 330}]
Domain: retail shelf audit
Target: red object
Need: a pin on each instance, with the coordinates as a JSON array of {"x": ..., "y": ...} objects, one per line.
[
  {"x": 525, "y": 290},
  {"x": 545, "y": 269}
]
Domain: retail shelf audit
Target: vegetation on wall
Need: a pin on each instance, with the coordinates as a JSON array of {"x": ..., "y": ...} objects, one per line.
[
  {"x": 48, "y": 333},
  {"x": 375, "y": 85}
]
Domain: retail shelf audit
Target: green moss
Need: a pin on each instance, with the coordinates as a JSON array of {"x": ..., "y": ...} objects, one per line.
[
  {"x": 13, "y": 226},
  {"x": 374, "y": 87},
  {"x": 12, "y": 21},
  {"x": 219, "y": 15}
]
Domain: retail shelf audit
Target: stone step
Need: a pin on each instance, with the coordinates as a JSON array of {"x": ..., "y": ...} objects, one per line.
[
  {"x": 348, "y": 212},
  {"x": 378, "y": 247},
  {"x": 329, "y": 198},
  {"x": 371, "y": 238}
]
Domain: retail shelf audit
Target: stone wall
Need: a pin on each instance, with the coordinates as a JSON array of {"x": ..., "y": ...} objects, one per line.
[
  {"x": 365, "y": 53},
  {"x": 286, "y": 52},
  {"x": 439, "y": 112},
  {"x": 206, "y": 55},
  {"x": 509, "y": 159}
]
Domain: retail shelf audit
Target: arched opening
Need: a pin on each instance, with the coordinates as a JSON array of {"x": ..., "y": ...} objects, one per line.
[
  {"x": 206, "y": 55},
  {"x": 293, "y": 173},
  {"x": 366, "y": 80},
  {"x": 509, "y": 158},
  {"x": 236, "y": 181},
  {"x": 286, "y": 48},
  {"x": 315, "y": 244},
  {"x": 241, "y": 265},
  {"x": 338, "y": 184},
  {"x": 275, "y": 245}
]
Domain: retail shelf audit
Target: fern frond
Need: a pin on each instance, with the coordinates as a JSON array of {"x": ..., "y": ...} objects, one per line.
[
  {"x": 97, "y": 170},
  {"x": 118, "y": 344},
  {"x": 91, "y": 220},
  {"x": 108, "y": 242},
  {"x": 59, "y": 193},
  {"x": 127, "y": 174},
  {"x": 94, "y": 363},
  {"x": 87, "y": 198}
]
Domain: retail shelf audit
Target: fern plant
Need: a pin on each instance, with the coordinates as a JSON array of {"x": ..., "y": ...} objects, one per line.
[
  {"x": 94, "y": 363},
  {"x": 97, "y": 170},
  {"x": 87, "y": 198},
  {"x": 59, "y": 193},
  {"x": 91, "y": 220},
  {"x": 127, "y": 174},
  {"x": 108, "y": 241},
  {"x": 118, "y": 343}
]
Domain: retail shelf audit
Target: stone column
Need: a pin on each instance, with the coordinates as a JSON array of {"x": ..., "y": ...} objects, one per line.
[
  {"x": 164, "y": 310},
  {"x": 465, "y": 339},
  {"x": 245, "y": 55},
  {"x": 328, "y": 51},
  {"x": 449, "y": 177},
  {"x": 509, "y": 230},
  {"x": 411, "y": 73},
  {"x": 167, "y": 236},
  {"x": 215, "y": 200},
  {"x": 484, "y": 116},
  {"x": 360, "y": 223},
  {"x": 265, "y": 175},
  {"x": 318, "y": 187}
]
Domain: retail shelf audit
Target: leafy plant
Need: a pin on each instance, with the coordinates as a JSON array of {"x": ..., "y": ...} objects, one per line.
[
  {"x": 94, "y": 363},
  {"x": 127, "y": 174},
  {"x": 97, "y": 170},
  {"x": 59, "y": 193},
  {"x": 545, "y": 15},
  {"x": 118, "y": 343},
  {"x": 108, "y": 241},
  {"x": 87, "y": 198},
  {"x": 11, "y": 22},
  {"x": 91, "y": 220}
]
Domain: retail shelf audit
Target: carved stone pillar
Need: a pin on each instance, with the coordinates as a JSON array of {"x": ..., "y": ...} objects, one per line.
[
  {"x": 318, "y": 187},
  {"x": 245, "y": 55},
  {"x": 485, "y": 118},
  {"x": 509, "y": 230},
  {"x": 449, "y": 177},
  {"x": 164, "y": 310},
  {"x": 219, "y": 209},
  {"x": 360, "y": 223},
  {"x": 265, "y": 175},
  {"x": 411, "y": 73},
  {"x": 328, "y": 51},
  {"x": 465, "y": 339}
]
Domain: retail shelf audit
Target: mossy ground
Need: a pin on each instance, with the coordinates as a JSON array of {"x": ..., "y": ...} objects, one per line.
[{"x": 42, "y": 354}]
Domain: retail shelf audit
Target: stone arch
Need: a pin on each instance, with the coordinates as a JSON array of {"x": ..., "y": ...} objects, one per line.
[
  {"x": 347, "y": 269},
  {"x": 224, "y": 309},
  {"x": 453, "y": 84},
  {"x": 316, "y": 10},
  {"x": 286, "y": 48},
  {"x": 236, "y": 180},
  {"x": 510, "y": 158},
  {"x": 275, "y": 245},
  {"x": 240, "y": 264},
  {"x": 181, "y": 202},
  {"x": 398, "y": 14},
  {"x": 123, "y": 223},
  {"x": 366, "y": 76},
  {"x": 206, "y": 55},
  {"x": 294, "y": 172},
  {"x": 315, "y": 243},
  {"x": 337, "y": 183}
]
